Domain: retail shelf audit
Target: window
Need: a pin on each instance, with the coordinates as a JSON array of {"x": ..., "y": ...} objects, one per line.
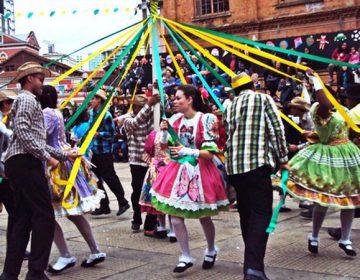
[
  {"x": 206, "y": 7},
  {"x": 290, "y": 3}
]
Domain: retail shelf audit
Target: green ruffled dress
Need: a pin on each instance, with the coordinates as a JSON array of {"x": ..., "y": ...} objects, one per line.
[{"x": 328, "y": 172}]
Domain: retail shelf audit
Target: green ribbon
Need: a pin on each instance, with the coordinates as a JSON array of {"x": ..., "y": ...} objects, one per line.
[
  {"x": 115, "y": 82},
  {"x": 157, "y": 63},
  {"x": 88, "y": 45},
  {"x": 272, "y": 48},
  {"x": 194, "y": 68},
  {"x": 284, "y": 179},
  {"x": 203, "y": 61},
  {"x": 104, "y": 79},
  {"x": 174, "y": 136}
]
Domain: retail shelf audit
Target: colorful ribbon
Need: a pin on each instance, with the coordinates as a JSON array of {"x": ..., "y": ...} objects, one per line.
[
  {"x": 284, "y": 179},
  {"x": 94, "y": 128},
  {"x": 194, "y": 69},
  {"x": 100, "y": 66},
  {"x": 208, "y": 37},
  {"x": 104, "y": 79},
  {"x": 268, "y": 47}
]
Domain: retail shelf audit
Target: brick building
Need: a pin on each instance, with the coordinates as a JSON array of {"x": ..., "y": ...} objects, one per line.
[{"x": 267, "y": 19}]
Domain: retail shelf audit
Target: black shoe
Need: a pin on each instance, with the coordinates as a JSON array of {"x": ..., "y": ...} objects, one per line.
[
  {"x": 101, "y": 211},
  {"x": 93, "y": 260},
  {"x": 284, "y": 209},
  {"x": 32, "y": 275},
  {"x": 253, "y": 277},
  {"x": 306, "y": 214},
  {"x": 313, "y": 246},
  {"x": 172, "y": 239},
  {"x": 182, "y": 266},
  {"x": 252, "y": 274},
  {"x": 208, "y": 262},
  {"x": 156, "y": 234},
  {"x": 6, "y": 276},
  {"x": 122, "y": 209},
  {"x": 26, "y": 255},
  {"x": 348, "y": 249},
  {"x": 135, "y": 226},
  {"x": 334, "y": 233},
  {"x": 304, "y": 206}
]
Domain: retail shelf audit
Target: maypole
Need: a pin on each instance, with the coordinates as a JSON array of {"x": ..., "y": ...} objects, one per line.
[{"x": 154, "y": 8}]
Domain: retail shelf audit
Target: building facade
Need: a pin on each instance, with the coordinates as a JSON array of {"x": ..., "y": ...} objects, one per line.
[
  {"x": 95, "y": 62},
  {"x": 267, "y": 19},
  {"x": 7, "y": 17}
]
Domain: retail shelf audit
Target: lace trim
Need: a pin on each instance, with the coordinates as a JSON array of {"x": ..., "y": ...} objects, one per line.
[{"x": 192, "y": 207}]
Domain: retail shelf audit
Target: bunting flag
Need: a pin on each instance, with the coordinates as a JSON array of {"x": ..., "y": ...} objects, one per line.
[{"x": 76, "y": 12}]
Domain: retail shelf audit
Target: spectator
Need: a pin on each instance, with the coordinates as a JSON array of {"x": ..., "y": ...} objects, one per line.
[
  {"x": 354, "y": 56},
  {"x": 341, "y": 53},
  {"x": 217, "y": 88},
  {"x": 149, "y": 90}
]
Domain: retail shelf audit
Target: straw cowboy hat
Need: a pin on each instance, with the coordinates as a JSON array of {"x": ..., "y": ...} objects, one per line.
[
  {"x": 299, "y": 103},
  {"x": 102, "y": 94},
  {"x": 139, "y": 100},
  {"x": 30, "y": 68},
  {"x": 8, "y": 94},
  {"x": 240, "y": 80}
]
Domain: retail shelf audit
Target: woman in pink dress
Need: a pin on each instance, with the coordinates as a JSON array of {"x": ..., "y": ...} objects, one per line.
[{"x": 191, "y": 185}]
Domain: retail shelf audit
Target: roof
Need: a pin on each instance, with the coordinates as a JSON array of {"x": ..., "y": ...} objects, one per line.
[
  {"x": 20, "y": 39},
  {"x": 41, "y": 59}
]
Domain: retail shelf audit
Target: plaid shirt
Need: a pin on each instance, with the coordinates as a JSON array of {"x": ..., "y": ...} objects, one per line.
[
  {"x": 255, "y": 133},
  {"x": 102, "y": 143},
  {"x": 138, "y": 128},
  {"x": 29, "y": 133}
]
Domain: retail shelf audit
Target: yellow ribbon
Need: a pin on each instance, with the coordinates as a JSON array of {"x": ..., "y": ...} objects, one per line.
[
  {"x": 286, "y": 118},
  {"x": 208, "y": 38},
  {"x": 205, "y": 52},
  {"x": 214, "y": 60},
  {"x": 177, "y": 67},
  {"x": 92, "y": 132},
  {"x": 133, "y": 31},
  {"x": 77, "y": 66},
  {"x": 255, "y": 51}
]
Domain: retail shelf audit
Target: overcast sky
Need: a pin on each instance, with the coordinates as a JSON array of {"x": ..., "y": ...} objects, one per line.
[{"x": 69, "y": 32}]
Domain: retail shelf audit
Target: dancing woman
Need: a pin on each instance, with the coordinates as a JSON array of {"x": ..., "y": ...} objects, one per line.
[
  {"x": 85, "y": 183},
  {"x": 328, "y": 173},
  {"x": 191, "y": 185}
]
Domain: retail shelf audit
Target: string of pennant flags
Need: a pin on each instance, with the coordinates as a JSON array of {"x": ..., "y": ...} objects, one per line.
[
  {"x": 154, "y": 6},
  {"x": 74, "y": 12}
]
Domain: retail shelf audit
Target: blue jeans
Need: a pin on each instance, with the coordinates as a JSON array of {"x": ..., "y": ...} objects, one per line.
[{"x": 124, "y": 150}]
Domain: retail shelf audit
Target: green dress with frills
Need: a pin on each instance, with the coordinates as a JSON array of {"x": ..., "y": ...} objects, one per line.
[{"x": 328, "y": 172}]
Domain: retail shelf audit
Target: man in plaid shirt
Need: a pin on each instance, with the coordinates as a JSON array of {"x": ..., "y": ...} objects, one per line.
[
  {"x": 138, "y": 124},
  {"x": 33, "y": 211},
  {"x": 255, "y": 143},
  {"x": 103, "y": 159}
]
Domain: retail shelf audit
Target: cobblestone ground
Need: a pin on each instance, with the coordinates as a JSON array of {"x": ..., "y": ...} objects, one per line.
[{"x": 134, "y": 256}]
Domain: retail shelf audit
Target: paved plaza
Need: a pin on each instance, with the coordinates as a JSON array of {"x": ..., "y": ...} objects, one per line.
[{"x": 134, "y": 256}]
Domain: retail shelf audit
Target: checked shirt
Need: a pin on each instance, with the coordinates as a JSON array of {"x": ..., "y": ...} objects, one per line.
[{"x": 255, "y": 133}]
